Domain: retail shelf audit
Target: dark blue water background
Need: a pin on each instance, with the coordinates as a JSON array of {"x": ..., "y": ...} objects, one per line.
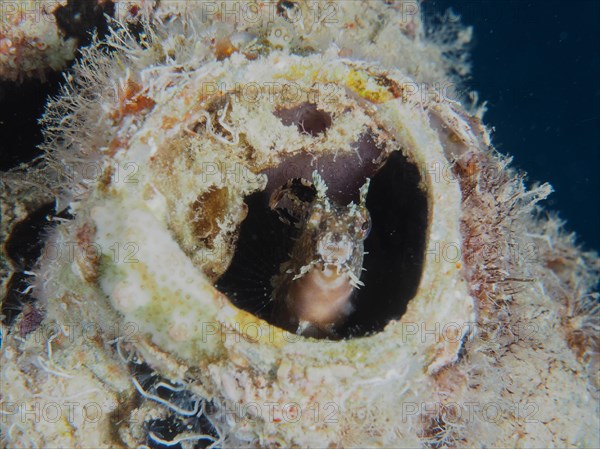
[{"x": 537, "y": 64}]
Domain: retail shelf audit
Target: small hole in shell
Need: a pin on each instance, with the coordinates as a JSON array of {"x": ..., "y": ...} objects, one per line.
[
  {"x": 306, "y": 117},
  {"x": 285, "y": 8}
]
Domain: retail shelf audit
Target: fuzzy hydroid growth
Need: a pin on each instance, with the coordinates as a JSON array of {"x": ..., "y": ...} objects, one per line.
[{"x": 475, "y": 315}]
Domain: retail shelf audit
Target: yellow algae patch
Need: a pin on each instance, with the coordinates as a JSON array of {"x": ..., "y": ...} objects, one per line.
[
  {"x": 367, "y": 87},
  {"x": 258, "y": 331}
]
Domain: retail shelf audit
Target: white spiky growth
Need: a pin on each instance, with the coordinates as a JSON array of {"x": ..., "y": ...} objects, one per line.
[{"x": 497, "y": 348}]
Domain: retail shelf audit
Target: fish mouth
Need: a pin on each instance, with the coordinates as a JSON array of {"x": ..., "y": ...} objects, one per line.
[
  {"x": 335, "y": 249},
  {"x": 333, "y": 269}
]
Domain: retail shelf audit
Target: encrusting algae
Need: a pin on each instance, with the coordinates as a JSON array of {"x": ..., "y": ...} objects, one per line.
[{"x": 193, "y": 155}]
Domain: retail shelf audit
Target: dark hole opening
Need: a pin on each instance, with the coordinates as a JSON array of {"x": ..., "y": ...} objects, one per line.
[
  {"x": 24, "y": 244},
  {"x": 306, "y": 117},
  {"x": 263, "y": 245},
  {"x": 173, "y": 425},
  {"x": 24, "y": 247},
  {"x": 283, "y": 6},
  {"x": 21, "y": 105},
  {"x": 77, "y": 18},
  {"x": 396, "y": 247}
]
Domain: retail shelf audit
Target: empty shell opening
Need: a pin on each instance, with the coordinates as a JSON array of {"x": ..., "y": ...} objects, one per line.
[
  {"x": 306, "y": 117},
  {"x": 395, "y": 246}
]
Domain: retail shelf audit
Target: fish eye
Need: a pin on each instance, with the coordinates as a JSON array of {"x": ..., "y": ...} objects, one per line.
[{"x": 366, "y": 227}]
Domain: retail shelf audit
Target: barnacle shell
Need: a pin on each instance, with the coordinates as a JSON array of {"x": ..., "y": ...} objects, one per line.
[
  {"x": 42, "y": 36},
  {"x": 197, "y": 115},
  {"x": 30, "y": 41}
]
